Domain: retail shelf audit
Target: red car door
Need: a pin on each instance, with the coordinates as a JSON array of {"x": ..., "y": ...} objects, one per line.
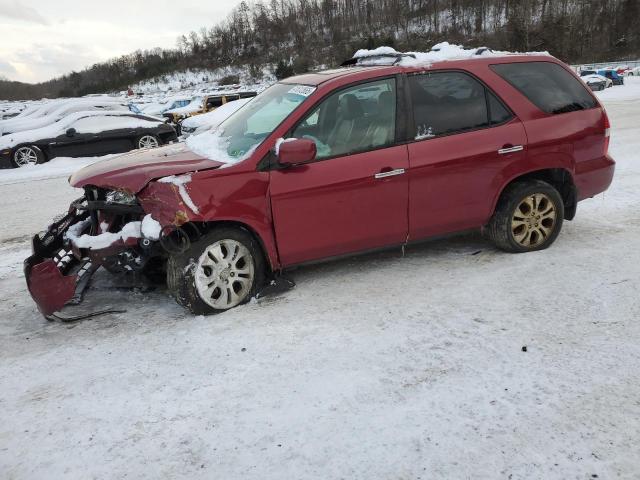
[
  {"x": 354, "y": 196},
  {"x": 465, "y": 139}
]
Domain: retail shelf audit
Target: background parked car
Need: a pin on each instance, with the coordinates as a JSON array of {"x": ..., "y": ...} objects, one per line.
[
  {"x": 60, "y": 110},
  {"x": 612, "y": 75},
  {"x": 197, "y": 124},
  {"x": 205, "y": 104},
  {"x": 597, "y": 82},
  {"x": 159, "y": 108},
  {"x": 622, "y": 69},
  {"x": 84, "y": 134},
  {"x": 633, "y": 72}
]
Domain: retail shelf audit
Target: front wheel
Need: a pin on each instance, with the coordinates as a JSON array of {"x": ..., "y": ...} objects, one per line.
[
  {"x": 218, "y": 272},
  {"x": 27, "y": 155},
  {"x": 528, "y": 217},
  {"x": 147, "y": 141}
]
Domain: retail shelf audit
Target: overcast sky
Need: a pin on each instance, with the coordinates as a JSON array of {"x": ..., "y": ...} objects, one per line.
[{"x": 42, "y": 39}]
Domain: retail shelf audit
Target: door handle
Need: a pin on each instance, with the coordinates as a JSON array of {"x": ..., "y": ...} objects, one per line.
[
  {"x": 510, "y": 149},
  {"x": 390, "y": 173}
]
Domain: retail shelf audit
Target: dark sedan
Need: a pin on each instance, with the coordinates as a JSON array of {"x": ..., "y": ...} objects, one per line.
[{"x": 84, "y": 134}]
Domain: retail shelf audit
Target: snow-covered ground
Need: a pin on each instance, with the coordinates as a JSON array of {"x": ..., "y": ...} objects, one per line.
[{"x": 378, "y": 367}]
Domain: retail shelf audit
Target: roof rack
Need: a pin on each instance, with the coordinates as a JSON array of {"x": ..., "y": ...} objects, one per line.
[
  {"x": 481, "y": 50},
  {"x": 396, "y": 57}
]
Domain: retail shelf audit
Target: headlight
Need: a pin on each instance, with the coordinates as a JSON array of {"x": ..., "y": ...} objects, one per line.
[{"x": 118, "y": 196}]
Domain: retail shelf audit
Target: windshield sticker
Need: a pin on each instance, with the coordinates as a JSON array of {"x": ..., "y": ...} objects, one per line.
[{"x": 303, "y": 90}]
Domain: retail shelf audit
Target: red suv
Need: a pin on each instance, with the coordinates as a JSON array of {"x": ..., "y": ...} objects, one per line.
[{"x": 333, "y": 163}]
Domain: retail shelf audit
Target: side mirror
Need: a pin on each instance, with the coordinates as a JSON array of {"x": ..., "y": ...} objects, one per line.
[
  {"x": 295, "y": 151},
  {"x": 71, "y": 132}
]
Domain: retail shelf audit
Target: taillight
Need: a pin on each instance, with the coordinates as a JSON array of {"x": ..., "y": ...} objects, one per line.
[{"x": 607, "y": 131}]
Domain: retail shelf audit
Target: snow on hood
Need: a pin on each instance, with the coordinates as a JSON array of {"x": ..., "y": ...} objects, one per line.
[
  {"x": 593, "y": 78},
  {"x": 439, "y": 53},
  {"x": 133, "y": 171},
  {"x": 213, "y": 144},
  {"x": 92, "y": 122}
]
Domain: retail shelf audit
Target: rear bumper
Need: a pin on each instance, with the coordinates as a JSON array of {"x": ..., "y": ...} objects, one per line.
[{"x": 594, "y": 176}]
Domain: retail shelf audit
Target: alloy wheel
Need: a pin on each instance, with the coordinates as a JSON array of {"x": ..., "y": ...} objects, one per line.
[
  {"x": 534, "y": 220},
  {"x": 148, "y": 141},
  {"x": 225, "y": 274},
  {"x": 25, "y": 156}
]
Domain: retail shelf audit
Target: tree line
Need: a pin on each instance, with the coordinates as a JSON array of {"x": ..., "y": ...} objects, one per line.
[{"x": 293, "y": 36}]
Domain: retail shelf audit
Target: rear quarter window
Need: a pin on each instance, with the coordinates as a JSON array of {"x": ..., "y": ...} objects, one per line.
[{"x": 547, "y": 85}]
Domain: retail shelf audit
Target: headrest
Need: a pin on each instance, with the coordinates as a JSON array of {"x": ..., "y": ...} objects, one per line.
[
  {"x": 386, "y": 103},
  {"x": 350, "y": 107}
]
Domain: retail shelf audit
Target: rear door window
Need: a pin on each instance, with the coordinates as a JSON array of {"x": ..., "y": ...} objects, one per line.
[
  {"x": 547, "y": 85},
  {"x": 445, "y": 103},
  {"x": 498, "y": 113}
]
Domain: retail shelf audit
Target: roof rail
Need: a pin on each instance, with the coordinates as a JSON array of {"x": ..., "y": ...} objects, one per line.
[{"x": 396, "y": 57}]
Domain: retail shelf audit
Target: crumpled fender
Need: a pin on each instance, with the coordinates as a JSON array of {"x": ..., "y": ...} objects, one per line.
[{"x": 166, "y": 205}]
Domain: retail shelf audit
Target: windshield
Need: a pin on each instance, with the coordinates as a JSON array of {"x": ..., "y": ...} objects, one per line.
[{"x": 239, "y": 135}]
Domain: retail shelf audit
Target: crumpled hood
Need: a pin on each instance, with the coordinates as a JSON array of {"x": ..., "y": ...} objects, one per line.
[{"x": 133, "y": 171}]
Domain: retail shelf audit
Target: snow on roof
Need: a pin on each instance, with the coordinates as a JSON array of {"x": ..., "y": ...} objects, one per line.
[
  {"x": 193, "y": 106},
  {"x": 439, "y": 53}
]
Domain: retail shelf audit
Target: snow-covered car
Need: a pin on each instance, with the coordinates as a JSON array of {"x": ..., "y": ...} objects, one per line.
[
  {"x": 176, "y": 114},
  {"x": 633, "y": 72},
  {"x": 611, "y": 74},
  {"x": 10, "y": 110},
  {"x": 597, "y": 82},
  {"x": 209, "y": 121},
  {"x": 204, "y": 104},
  {"x": 158, "y": 108},
  {"x": 51, "y": 115},
  {"x": 84, "y": 134}
]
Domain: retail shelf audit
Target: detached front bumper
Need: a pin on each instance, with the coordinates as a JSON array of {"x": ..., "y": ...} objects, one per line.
[
  {"x": 58, "y": 271},
  {"x": 53, "y": 272}
]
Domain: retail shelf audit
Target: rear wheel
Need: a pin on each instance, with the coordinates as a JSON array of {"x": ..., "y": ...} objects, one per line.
[
  {"x": 28, "y": 155},
  {"x": 148, "y": 141},
  {"x": 528, "y": 217},
  {"x": 218, "y": 272}
]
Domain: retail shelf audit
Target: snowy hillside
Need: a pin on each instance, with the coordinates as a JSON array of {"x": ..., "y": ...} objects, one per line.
[{"x": 200, "y": 80}]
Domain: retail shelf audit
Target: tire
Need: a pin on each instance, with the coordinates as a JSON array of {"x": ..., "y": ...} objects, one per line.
[
  {"x": 27, "y": 155},
  {"x": 148, "y": 141},
  {"x": 514, "y": 229},
  {"x": 188, "y": 273}
]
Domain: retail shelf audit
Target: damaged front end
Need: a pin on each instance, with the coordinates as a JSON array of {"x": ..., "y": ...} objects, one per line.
[{"x": 103, "y": 228}]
